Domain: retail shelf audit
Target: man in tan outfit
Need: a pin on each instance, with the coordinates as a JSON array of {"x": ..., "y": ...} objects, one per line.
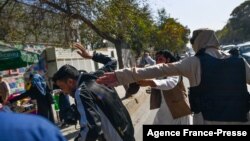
[
  {"x": 168, "y": 95},
  {"x": 206, "y": 46}
]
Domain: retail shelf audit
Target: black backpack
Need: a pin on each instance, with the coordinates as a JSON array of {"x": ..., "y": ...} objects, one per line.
[{"x": 72, "y": 115}]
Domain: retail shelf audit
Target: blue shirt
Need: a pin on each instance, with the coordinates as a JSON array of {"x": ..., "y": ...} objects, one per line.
[{"x": 16, "y": 127}]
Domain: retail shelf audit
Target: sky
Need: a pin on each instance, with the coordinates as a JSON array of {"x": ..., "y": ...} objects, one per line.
[{"x": 195, "y": 14}]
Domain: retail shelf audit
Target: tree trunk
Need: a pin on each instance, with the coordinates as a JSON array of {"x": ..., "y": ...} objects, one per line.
[
  {"x": 119, "y": 45},
  {"x": 118, "y": 48}
]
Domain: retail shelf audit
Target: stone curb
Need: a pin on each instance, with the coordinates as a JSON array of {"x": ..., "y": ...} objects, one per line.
[{"x": 134, "y": 102}]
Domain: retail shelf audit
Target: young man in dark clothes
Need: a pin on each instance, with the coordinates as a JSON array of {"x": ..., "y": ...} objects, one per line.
[{"x": 102, "y": 114}]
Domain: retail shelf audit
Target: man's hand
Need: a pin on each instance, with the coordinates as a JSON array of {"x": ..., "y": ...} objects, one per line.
[
  {"x": 83, "y": 52},
  {"x": 147, "y": 82},
  {"x": 109, "y": 79}
]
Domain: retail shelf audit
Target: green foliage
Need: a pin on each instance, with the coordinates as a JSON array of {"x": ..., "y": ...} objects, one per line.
[
  {"x": 170, "y": 34},
  {"x": 24, "y": 23},
  {"x": 237, "y": 29},
  {"x": 89, "y": 37},
  {"x": 126, "y": 23}
]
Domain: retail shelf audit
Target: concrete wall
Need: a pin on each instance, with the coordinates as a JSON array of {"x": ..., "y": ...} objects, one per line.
[{"x": 57, "y": 57}]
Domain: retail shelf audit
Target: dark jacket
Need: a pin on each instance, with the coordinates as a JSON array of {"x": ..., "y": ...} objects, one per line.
[{"x": 102, "y": 106}]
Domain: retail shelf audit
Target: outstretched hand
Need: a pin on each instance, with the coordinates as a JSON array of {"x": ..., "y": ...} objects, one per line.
[
  {"x": 109, "y": 79},
  {"x": 83, "y": 52}
]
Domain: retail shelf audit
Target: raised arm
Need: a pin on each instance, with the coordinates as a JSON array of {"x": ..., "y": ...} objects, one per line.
[{"x": 110, "y": 64}]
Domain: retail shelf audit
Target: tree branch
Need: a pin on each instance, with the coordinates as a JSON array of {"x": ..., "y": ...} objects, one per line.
[
  {"x": 94, "y": 28},
  {"x": 68, "y": 6},
  {"x": 85, "y": 20},
  {"x": 2, "y": 6},
  {"x": 75, "y": 16}
]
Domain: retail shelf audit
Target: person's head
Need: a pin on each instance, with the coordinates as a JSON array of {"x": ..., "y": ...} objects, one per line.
[
  {"x": 27, "y": 77},
  {"x": 146, "y": 53},
  {"x": 164, "y": 56},
  {"x": 66, "y": 79},
  {"x": 204, "y": 38}
]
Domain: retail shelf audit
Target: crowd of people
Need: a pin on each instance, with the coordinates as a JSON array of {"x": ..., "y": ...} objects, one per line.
[
  {"x": 218, "y": 88},
  {"x": 218, "y": 81}
]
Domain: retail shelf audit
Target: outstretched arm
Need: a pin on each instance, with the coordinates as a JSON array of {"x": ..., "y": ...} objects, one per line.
[
  {"x": 22, "y": 96},
  {"x": 130, "y": 75},
  {"x": 166, "y": 84},
  {"x": 108, "y": 79}
]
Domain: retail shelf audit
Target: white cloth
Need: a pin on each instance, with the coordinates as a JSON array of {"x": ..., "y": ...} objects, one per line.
[
  {"x": 164, "y": 116},
  {"x": 150, "y": 60},
  {"x": 166, "y": 84}
]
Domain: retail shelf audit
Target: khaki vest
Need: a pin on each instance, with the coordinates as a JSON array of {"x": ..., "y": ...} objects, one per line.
[{"x": 175, "y": 98}]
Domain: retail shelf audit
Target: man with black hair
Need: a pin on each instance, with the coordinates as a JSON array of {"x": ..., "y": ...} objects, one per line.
[
  {"x": 169, "y": 95},
  {"x": 102, "y": 114}
]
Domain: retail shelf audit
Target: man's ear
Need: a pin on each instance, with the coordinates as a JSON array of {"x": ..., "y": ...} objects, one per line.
[{"x": 71, "y": 81}]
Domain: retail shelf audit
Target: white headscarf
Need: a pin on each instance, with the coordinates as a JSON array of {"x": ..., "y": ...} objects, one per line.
[{"x": 204, "y": 38}]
